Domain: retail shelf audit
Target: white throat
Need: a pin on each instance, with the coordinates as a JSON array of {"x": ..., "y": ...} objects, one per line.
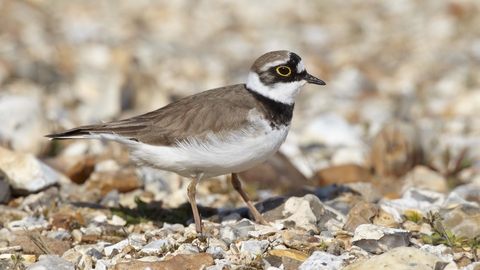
[{"x": 281, "y": 92}]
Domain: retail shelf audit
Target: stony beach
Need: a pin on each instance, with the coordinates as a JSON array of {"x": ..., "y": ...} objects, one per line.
[{"x": 380, "y": 170}]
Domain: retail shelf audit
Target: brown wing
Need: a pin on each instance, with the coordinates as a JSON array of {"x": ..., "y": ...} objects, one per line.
[{"x": 196, "y": 115}]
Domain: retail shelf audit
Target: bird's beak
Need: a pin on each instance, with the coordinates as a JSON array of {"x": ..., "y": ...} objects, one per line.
[{"x": 311, "y": 79}]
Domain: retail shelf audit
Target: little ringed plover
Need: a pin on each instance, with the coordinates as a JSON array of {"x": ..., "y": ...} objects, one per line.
[{"x": 221, "y": 131}]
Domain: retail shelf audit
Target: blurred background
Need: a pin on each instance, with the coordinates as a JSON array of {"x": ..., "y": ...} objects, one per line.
[{"x": 67, "y": 63}]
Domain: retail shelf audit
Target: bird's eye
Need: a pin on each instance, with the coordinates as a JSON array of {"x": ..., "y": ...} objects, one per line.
[{"x": 284, "y": 71}]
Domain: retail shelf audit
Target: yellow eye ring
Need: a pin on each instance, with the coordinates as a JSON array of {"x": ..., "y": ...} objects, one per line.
[{"x": 284, "y": 71}]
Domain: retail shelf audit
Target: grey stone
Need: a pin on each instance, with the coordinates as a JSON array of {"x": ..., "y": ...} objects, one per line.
[
  {"x": 217, "y": 242},
  {"x": 156, "y": 246},
  {"x": 378, "y": 239},
  {"x": 72, "y": 256},
  {"x": 188, "y": 248},
  {"x": 86, "y": 262},
  {"x": 304, "y": 213},
  {"x": 463, "y": 219},
  {"x": 37, "y": 201},
  {"x": 217, "y": 252},
  {"x": 52, "y": 262},
  {"x": 253, "y": 246},
  {"x": 102, "y": 265},
  {"x": 320, "y": 260},
  {"x": 94, "y": 253},
  {"x": 111, "y": 199},
  {"x": 229, "y": 234},
  {"x": 29, "y": 223},
  {"x": 400, "y": 258},
  {"x": 120, "y": 245},
  {"x": 467, "y": 191},
  {"x": 243, "y": 227},
  {"x": 443, "y": 252}
]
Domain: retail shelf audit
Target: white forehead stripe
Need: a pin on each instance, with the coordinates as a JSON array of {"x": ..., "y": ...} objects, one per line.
[
  {"x": 273, "y": 64},
  {"x": 300, "y": 67}
]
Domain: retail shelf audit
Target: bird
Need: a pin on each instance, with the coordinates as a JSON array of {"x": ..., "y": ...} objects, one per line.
[{"x": 221, "y": 131}]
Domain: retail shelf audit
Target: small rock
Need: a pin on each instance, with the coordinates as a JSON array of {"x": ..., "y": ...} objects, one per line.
[
  {"x": 156, "y": 246},
  {"x": 463, "y": 219},
  {"x": 291, "y": 263},
  {"x": 272, "y": 208},
  {"x": 443, "y": 252},
  {"x": 303, "y": 213},
  {"x": 123, "y": 180},
  {"x": 342, "y": 174},
  {"x": 423, "y": 200},
  {"x": 6, "y": 235},
  {"x": 94, "y": 253},
  {"x": 29, "y": 223},
  {"x": 241, "y": 258},
  {"x": 361, "y": 214},
  {"x": 323, "y": 261},
  {"x": 217, "y": 252},
  {"x": 400, "y": 258},
  {"x": 422, "y": 177},
  {"x": 377, "y": 239},
  {"x": 291, "y": 253},
  {"x": 217, "y": 242},
  {"x": 468, "y": 192},
  {"x": 253, "y": 246},
  {"x": 77, "y": 236},
  {"x": 453, "y": 200},
  {"x": 81, "y": 170},
  {"x": 243, "y": 227},
  {"x": 188, "y": 248},
  {"x": 117, "y": 221},
  {"x": 72, "y": 256},
  {"x": 333, "y": 226},
  {"x": 111, "y": 199},
  {"x": 103, "y": 265},
  {"x": 120, "y": 245},
  {"x": 383, "y": 218},
  {"x": 52, "y": 262},
  {"x": 263, "y": 232},
  {"x": 229, "y": 234},
  {"x": 26, "y": 174},
  {"x": 60, "y": 221},
  {"x": 86, "y": 261},
  {"x": 299, "y": 240}
]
